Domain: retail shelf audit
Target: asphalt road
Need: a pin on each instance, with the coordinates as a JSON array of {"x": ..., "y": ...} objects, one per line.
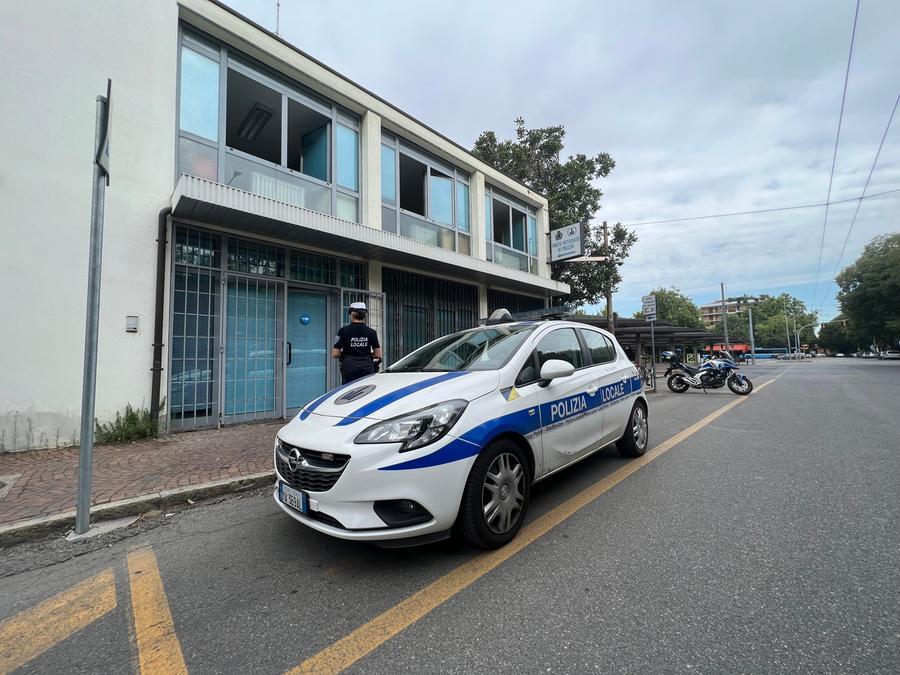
[{"x": 767, "y": 540}]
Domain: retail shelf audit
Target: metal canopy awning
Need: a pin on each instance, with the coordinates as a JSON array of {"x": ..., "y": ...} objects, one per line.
[
  {"x": 205, "y": 201},
  {"x": 631, "y": 331}
]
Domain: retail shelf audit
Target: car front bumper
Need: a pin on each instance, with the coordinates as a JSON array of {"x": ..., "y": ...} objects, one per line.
[{"x": 364, "y": 481}]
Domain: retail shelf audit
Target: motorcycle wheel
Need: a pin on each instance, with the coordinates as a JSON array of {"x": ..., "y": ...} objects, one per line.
[
  {"x": 737, "y": 388},
  {"x": 677, "y": 384}
]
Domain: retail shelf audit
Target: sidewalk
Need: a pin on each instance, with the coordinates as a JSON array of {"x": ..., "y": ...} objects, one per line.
[{"x": 43, "y": 483}]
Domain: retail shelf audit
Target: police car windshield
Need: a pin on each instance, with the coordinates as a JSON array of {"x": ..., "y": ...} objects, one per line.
[{"x": 486, "y": 348}]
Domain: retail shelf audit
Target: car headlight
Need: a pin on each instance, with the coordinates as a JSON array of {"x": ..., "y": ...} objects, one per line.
[{"x": 415, "y": 429}]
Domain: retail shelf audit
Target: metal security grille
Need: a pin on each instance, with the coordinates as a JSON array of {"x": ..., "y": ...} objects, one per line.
[
  {"x": 312, "y": 268},
  {"x": 374, "y": 304},
  {"x": 229, "y": 321},
  {"x": 353, "y": 274},
  {"x": 252, "y": 257},
  {"x": 195, "y": 247},
  {"x": 419, "y": 309},
  {"x": 254, "y": 335},
  {"x": 193, "y": 381},
  {"x": 512, "y": 301}
]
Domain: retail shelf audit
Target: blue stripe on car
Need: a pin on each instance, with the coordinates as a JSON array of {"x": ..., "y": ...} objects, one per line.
[
  {"x": 307, "y": 410},
  {"x": 396, "y": 395},
  {"x": 520, "y": 422}
]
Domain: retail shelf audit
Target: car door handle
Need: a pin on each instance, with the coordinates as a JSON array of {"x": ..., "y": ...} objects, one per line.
[
  {"x": 290, "y": 353},
  {"x": 592, "y": 389}
]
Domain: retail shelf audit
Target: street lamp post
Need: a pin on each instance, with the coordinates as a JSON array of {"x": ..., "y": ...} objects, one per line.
[
  {"x": 787, "y": 332},
  {"x": 752, "y": 339}
]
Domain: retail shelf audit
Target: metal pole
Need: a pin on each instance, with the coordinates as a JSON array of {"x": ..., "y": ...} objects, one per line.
[
  {"x": 752, "y": 339},
  {"x": 653, "y": 352},
  {"x": 796, "y": 333},
  {"x": 89, "y": 382},
  {"x": 724, "y": 317},
  {"x": 787, "y": 333},
  {"x": 610, "y": 319}
]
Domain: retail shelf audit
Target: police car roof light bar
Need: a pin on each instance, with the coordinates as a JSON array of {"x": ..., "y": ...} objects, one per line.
[{"x": 503, "y": 315}]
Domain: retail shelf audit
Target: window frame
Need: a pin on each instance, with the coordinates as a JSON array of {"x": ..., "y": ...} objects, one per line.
[
  {"x": 587, "y": 349},
  {"x": 533, "y": 356},
  {"x": 230, "y": 58},
  {"x": 457, "y": 176},
  {"x": 492, "y": 194}
]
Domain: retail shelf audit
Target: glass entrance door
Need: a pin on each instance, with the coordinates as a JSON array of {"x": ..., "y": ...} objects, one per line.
[{"x": 307, "y": 347}]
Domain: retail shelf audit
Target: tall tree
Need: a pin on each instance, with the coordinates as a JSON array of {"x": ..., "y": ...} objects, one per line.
[
  {"x": 770, "y": 316},
  {"x": 674, "y": 306},
  {"x": 870, "y": 290},
  {"x": 533, "y": 159},
  {"x": 837, "y": 336}
]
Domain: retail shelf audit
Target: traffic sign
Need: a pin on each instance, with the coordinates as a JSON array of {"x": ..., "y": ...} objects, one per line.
[{"x": 649, "y": 307}]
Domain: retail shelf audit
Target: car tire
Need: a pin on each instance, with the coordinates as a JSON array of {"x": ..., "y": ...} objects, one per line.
[
  {"x": 500, "y": 476},
  {"x": 637, "y": 433},
  {"x": 677, "y": 384}
]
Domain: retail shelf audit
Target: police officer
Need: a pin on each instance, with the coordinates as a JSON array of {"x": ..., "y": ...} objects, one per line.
[{"x": 356, "y": 345}]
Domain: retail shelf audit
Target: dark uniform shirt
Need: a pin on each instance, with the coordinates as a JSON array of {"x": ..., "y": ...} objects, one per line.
[{"x": 356, "y": 342}]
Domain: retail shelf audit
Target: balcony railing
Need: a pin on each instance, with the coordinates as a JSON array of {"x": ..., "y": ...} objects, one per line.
[
  {"x": 428, "y": 233},
  {"x": 278, "y": 184}
]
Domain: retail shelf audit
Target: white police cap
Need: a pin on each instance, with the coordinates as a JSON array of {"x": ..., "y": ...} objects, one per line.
[{"x": 357, "y": 306}]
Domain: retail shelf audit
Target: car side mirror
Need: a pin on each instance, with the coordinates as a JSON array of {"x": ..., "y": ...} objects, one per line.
[{"x": 553, "y": 369}]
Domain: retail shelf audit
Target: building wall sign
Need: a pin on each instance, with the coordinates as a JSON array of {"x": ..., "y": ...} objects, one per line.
[{"x": 566, "y": 242}]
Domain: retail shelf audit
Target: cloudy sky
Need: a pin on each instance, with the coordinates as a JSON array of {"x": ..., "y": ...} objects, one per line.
[{"x": 706, "y": 107}]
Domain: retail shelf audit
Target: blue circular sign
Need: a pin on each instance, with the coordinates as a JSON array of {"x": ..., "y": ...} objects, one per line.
[{"x": 304, "y": 319}]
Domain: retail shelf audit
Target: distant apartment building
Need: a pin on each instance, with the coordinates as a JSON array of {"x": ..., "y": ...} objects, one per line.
[{"x": 711, "y": 313}]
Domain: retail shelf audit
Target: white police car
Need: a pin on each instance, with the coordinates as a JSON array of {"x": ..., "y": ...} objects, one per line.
[{"x": 457, "y": 432}]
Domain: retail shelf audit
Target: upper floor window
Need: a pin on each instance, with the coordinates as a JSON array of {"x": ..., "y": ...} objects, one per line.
[
  {"x": 199, "y": 100},
  {"x": 511, "y": 229},
  {"x": 276, "y": 140},
  {"x": 423, "y": 198}
]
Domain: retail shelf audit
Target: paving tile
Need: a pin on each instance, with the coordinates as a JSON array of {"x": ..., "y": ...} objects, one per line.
[{"x": 49, "y": 478}]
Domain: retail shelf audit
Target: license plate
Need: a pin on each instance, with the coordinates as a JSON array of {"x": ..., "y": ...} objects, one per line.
[{"x": 293, "y": 498}]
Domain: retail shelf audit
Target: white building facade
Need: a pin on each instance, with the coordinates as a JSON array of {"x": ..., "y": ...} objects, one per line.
[{"x": 254, "y": 194}]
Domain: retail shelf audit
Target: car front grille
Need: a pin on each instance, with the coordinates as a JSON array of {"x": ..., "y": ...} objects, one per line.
[{"x": 315, "y": 472}]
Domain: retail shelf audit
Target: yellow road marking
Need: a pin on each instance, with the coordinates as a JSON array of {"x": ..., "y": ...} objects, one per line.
[
  {"x": 32, "y": 632},
  {"x": 158, "y": 648},
  {"x": 352, "y": 647}
]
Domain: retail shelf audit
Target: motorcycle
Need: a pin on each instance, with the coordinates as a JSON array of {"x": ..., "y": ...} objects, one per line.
[{"x": 713, "y": 374}]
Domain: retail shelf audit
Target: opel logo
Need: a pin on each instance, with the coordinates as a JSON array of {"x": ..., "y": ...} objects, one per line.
[{"x": 295, "y": 459}]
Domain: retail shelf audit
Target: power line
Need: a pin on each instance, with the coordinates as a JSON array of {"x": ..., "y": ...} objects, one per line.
[
  {"x": 780, "y": 208},
  {"x": 837, "y": 139},
  {"x": 865, "y": 187}
]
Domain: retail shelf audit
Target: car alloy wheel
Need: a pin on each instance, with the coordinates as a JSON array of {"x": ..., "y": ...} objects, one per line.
[
  {"x": 639, "y": 427},
  {"x": 503, "y": 493}
]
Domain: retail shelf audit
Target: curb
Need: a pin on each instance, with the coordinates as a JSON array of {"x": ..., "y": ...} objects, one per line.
[{"x": 27, "y": 530}]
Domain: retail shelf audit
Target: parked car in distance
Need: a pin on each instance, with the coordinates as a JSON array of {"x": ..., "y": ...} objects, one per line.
[{"x": 891, "y": 354}]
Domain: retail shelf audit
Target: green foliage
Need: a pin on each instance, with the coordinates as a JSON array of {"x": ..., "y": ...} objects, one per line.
[
  {"x": 134, "y": 425},
  {"x": 870, "y": 290},
  {"x": 674, "y": 306},
  {"x": 769, "y": 321},
  {"x": 533, "y": 159},
  {"x": 836, "y": 337}
]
